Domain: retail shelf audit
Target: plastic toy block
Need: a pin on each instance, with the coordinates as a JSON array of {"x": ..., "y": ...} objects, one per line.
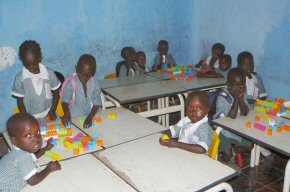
[
  {"x": 95, "y": 136},
  {"x": 260, "y": 127},
  {"x": 54, "y": 143},
  {"x": 76, "y": 151},
  {"x": 281, "y": 123},
  {"x": 82, "y": 121},
  {"x": 269, "y": 132},
  {"x": 164, "y": 137},
  {"x": 279, "y": 130},
  {"x": 112, "y": 115},
  {"x": 53, "y": 155},
  {"x": 87, "y": 139},
  {"x": 257, "y": 118},
  {"x": 272, "y": 113},
  {"x": 47, "y": 119},
  {"x": 68, "y": 144},
  {"x": 267, "y": 117},
  {"x": 286, "y": 128},
  {"x": 86, "y": 146},
  {"x": 97, "y": 120},
  {"x": 249, "y": 124},
  {"x": 77, "y": 137},
  {"x": 100, "y": 143}
]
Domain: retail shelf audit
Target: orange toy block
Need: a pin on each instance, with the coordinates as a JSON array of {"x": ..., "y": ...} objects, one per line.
[
  {"x": 173, "y": 78},
  {"x": 279, "y": 130},
  {"x": 286, "y": 128},
  {"x": 100, "y": 143},
  {"x": 269, "y": 132},
  {"x": 47, "y": 119},
  {"x": 97, "y": 120},
  {"x": 249, "y": 124},
  {"x": 76, "y": 151},
  {"x": 257, "y": 118}
]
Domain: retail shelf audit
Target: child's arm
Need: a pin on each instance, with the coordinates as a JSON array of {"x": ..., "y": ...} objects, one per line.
[
  {"x": 55, "y": 98},
  {"x": 209, "y": 75},
  {"x": 88, "y": 121},
  {"x": 38, "y": 177},
  {"x": 234, "y": 109},
  {"x": 20, "y": 105},
  {"x": 42, "y": 151},
  {"x": 244, "y": 109},
  {"x": 66, "y": 113},
  {"x": 194, "y": 148}
]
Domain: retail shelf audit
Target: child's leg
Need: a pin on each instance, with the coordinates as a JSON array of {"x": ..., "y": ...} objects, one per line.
[
  {"x": 244, "y": 146},
  {"x": 225, "y": 147}
]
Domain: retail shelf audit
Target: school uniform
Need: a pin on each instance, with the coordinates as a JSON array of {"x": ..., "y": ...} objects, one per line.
[
  {"x": 224, "y": 104},
  {"x": 168, "y": 60},
  {"x": 199, "y": 133},
  {"x": 36, "y": 90},
  {"x": 16, "y": 168},
  {"x": 216, "y": 64},
  {"x": 82, "y": 105},
  {"x": 223, "y": 73},
  {"x": 130, "y": 70}
]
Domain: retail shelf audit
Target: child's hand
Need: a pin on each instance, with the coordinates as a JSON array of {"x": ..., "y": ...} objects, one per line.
[
  {"x": 66, "y": 118},
  {"x": 168, "y": 143},
  {"x": 87, "y": 123},
  {"x": 49, "y": 145},
  {"x": 251, "y": 101},
  {"x": 53, "y": 166},
  {"x": 51, "y": 115}
]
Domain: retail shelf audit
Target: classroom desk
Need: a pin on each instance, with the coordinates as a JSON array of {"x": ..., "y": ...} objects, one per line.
[
  {"x": 203, "y": 84},
  {"x": 126, "y": 127},
  {"x": 83, "y": 173},
  {"x": 160, "y": 75},
  {"x": 60, "y": 149},
  {"x": 278, "y": 142},
  {"x": 148, "y": 166}
]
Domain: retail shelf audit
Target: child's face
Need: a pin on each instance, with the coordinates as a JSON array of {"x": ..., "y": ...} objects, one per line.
[
  {"x": 130, "y": 56},
  {"x": 163, "y": 49},
  {"x": 141, "y": 60},
  {"x": 236, "y": 85},
  {"x": 247, "y": 66},
  {"x": 85, "y": 72},
  {"x": 31, "y": 63},
  {"x": 28, "y": 138},
  {"x": 196, "y": 109},
  {"x": 224, "y": 65},
  {"x": 217, "y": 53}
]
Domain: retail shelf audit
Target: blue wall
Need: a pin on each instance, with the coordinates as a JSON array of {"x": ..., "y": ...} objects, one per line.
[
  {"x": 261, "y": 27},
  {"x": 67, "y": 29}
]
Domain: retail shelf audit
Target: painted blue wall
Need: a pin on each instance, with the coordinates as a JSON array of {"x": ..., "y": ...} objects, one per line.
[
  {"x": 66, "y": 29},
  {"x": 261, "y": 27}
]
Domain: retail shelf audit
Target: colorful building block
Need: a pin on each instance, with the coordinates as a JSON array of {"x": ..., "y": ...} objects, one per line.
[
  {"x": 260, "y": 127},
  {"x": 249, "y": 124},
  {"x": 165, "y": 137},
  {"x": 112, "y": 115}
]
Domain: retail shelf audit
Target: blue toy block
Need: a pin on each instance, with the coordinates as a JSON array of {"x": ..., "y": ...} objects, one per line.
[
  {"x": 43, "y": 128},
  {"x": 57, "y": 126},
  {"x": 281, "y": 123},
  {"x": 54, "y": 143},
  {"x": 95, "y": 136}
]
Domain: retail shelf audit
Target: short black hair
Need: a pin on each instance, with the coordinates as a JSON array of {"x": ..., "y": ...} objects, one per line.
[
  {"x": 126, "y": 50},
  {"x": 227, "y": 58},
  {"x": 235, "y": 72},
  {"x": 243, "y": 55},
  {"x": 139, "y": 53},
  {"x": 30, "y": 46},
  {"x": 14, "y": 123},
  {"x": 87, "y": 59},
  {"x": 59, "y": 76},
  {"x": 201, "y": 94},
  {"x": 218, "y": 46},
  {"x": 162, "y": 42}
]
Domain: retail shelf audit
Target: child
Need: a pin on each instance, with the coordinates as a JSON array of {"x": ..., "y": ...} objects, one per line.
[
  {"x": 254, "y": 83},
  {"x": 34, "y": 84},
  {"x": 163, "y": 56},
  {"x": 141, "y": 61},
  {"x": 229, "y": 102},
  {"x": 225, "y": 63},
  {"x": 128, "y": 67},
  {"x": 193, "y": 133},
  {"x": 81, "y": 92},
  {"x": 212, "y": 62},
  {"x": 19, "y": 166}
]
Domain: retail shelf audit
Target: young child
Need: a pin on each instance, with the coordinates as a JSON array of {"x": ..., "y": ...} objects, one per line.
[
  {"x": 254, "y": 84},
  {"x": 163, "y": 56},
  {"x": 82, "y": 92},
  {"x": 128, "y": 67},
  {"x": 192, "y": 133},
  {"x": 212, "y": 62},
  {"x": 34, "y": 84},
  {"x": 225, "y": 63},
  {"x": 229, "y": 103},
  {"x": 141, "y": 61},
  {"x": 19, "y": 166}
]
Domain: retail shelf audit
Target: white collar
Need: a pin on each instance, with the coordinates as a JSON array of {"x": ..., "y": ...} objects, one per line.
[
  {"x": 32, "y": 154},
  {"x": 42, "y": 74}
]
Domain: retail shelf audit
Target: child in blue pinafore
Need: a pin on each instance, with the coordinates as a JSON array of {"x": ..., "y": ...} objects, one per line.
[
  {"x": 82, "y": 92},
  {"x": 36, "y": 86}
]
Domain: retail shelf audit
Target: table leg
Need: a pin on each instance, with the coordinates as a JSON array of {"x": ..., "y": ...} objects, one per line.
[
  {"x": 257, "y": 155},
  {"x": 159, "y": 105},
  {"x": 221, "y": 187},
  {"x": 148, "y": 106},
  {"x": 163, "y": 116},
  {"x": 253, "y": 153},
  {"x": 167, "y": 115},
  {"x": 287, "y": 178},
  {"x": 181, "y": 100}
]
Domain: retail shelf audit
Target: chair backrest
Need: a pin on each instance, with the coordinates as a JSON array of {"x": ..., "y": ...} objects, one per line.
[
  {"x": 110, "y": 76},
  {"x": 213, "y": 150}
]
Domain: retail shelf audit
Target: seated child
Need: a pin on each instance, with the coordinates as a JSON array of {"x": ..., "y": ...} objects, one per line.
[
  {"x": 33, "y": 85},
  {"x": 19, "y": 166},
  {"x": 141, "y": 61},
  {"x": 128, "y": 67},
  {"x": 212, "y": 62},
  {"x": 82, "y": 92},
  {"x": 254, "y": 83},
  {"x": 225, "y": 63},
  {"x": 163, "y": 56},
  {"x": 192, "y": 133},
  {"x": 229, "y": 103}
]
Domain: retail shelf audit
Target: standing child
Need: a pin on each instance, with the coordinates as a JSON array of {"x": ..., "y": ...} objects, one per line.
[
  {"x": 82, "y": 92},
  {"x": 254, "y": 83},
  {"x": 19, "y": 166},
  {"x": 34, "y": 84},
  {"x": 212, "y": 62},
  {"x": 141, "y": 61},
  {"x": 163, "y": 56},
  {"x": 229, "y": 103},
  {"x": 192, "y": 133}
]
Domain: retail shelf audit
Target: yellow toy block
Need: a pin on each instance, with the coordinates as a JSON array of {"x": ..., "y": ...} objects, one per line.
[{"x": 164, "y": 137}]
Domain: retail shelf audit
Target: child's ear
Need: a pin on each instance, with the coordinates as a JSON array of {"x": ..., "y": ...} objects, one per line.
[{"x": 13, "y": 141}]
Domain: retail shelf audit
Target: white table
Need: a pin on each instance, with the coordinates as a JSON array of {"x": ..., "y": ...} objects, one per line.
[
  {"x": 278, "y": 142},
  {"x": 203, "y": 84},
  {"x": 148, "y": 166},
  {"x": 126, "y": 127},
  {"x": 83, "y": 173},
  {"x": 160, "y": 75},
  {"x": 59, "y": 149}
]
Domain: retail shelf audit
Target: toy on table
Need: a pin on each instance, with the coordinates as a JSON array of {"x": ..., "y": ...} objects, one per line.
[
  {"x": 112, "y": 115},
  {"x": 55, "y": 131},
  {"x": 273, "y": 107},
  {"x": 94, "y": 121},
  {"x": 52, "y": 155},
  {"x": 165, "y": 137}
]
